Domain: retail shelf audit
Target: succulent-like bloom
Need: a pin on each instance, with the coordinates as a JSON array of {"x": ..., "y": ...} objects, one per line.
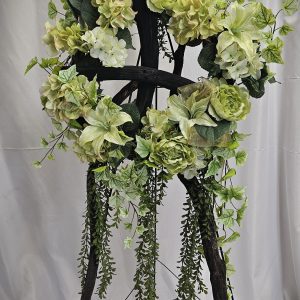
[
  {"x": 193, "y": 19},
  {"x": 174, "y": 155},
  {"x": 70, "y": 100},
  {"x": 230, "y": 102},
  {"x": 104, "y": 45},
  {"x": 115, "y": 13},
  {"x": 103, "y": 125},
  {"x": 156, "y": 123},
  {"x": 64, "y": 38},
  {"x": 190, "y": 106},
  {"x": 160, "y": 5}
]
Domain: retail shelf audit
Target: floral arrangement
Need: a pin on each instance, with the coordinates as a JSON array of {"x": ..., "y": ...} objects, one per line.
[{"x": 134, "y": 149}]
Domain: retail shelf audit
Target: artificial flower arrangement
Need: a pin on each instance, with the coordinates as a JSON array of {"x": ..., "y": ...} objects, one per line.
[{"x": 134, "y": 149}]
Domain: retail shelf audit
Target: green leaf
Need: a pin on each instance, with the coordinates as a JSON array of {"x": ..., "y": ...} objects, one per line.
[
  {"x": 290, "y": 6},
  {"x": 241, "y": 212},
  {"x": 235, "y": 235},
  {"x": 213, "y": 168},
  {"x": 143, "y": 147},
  {"x": 207, "y": 58},
  {"x": 264, "y": 17},
  {"x": 230, "y": 270},
  {"x": 255, "y": 87},
  {"x": 89, "y": 13},
  {"x": 212, "y": 134},
  {"x": 128, "y": 243},
  {"x": 31, "y": 64},
  {"x": 241, "y": 158},
  {"x": 272, "y": 54},
  {"x": 75, "y": 3},
  {"x": 140, "y": 229},
  {"x": 224, "y": 153},
  {"x": 44, "y": 142},
  {"x": 128, "y": 226},
  {"x": 285, "y": 29},
  {"x": 57, "y": 125},
  {"x": 49, "y": 62},
  {"x": 143, "y": 210},
  {"x": 124, "y": 34},
  {"x": 52, "y": 11},
  {"x": 100, "y": 169},
  {"x": 51, "y": 156},
  {"x": 227, "y": 194},
  {"x": 67, "y": 75},
  {"x": 37, "y": 164},
  {"x": 132, "y": 110},
  {"x": 229, "y": 174},
  {"x": 75, "y": 124},
  {"x": 226, "y": 218}
]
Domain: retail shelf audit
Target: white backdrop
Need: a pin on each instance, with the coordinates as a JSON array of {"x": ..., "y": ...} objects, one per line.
[{"x": 40, "y": 210}]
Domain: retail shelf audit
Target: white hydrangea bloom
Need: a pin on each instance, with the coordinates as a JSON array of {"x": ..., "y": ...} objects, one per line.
[{"x": 104, "y": 45}]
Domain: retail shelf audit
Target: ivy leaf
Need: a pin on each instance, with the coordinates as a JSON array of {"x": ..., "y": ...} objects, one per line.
[
  {"x": 227, "y": 194},
  {"x": 31, "y": 64},
  {"x": 37, "y": 164},
  {"x": 272, "y": 54},
  {"x": 229, "y": 174},
  {"x": 143, "y": 147},
  {"x": 143, "y": 210},
  {"x": 255, "y": 87},
  {"x": 52, "y": 10},
  {"x": 124, "y": 34},
  {"x": 75, "y": 3},
  {"x": 128, "y": 243},
  {"x": 241, "y": 212},
  {"x": 57, "y": 125},
  {"x": 241, "y": 158},
  {"x": 67, "y": 75},
  {"x": 213, "y": 168},
  {"x": 264, "y": 17},
  {"x": 232, "y": 238},
  {"x": 89, "y": 13},
  {"x": 225, "y": 153},
  {"x": 140, "y": 229},
  {"x": 285, "y": 29},
  {"x": 290, "y": 6},
  {"x": 212, "y": 134},
  {"x": 226, "y": 218},
  {"x": 49, "y": 62}
]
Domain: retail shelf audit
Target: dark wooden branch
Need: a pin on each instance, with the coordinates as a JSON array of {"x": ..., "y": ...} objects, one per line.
[
  {"x": 92, "y": 270},
  {"x": 125, "y": 92},
  {"x": 178, "y": 63},
  {"x": 147, "y": 24},
  {"x": 140, "y": 74},
  {"x": 202, "y": 201}
]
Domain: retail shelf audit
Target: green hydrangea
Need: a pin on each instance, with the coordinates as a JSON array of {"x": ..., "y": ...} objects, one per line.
[
  {"x": 193, "y": 19},
  {"x": 230, "y": 103},
  {"x": 64, "y": 38},
  {"x": 70, "y": 100},
  {"x": 115, "y": 13},
  {"x": 160, "y": 5},
  {"x": 174, "y": 155}
]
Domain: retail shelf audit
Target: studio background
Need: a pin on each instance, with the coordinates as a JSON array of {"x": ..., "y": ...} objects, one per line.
[{"x": 40, "y": 210}]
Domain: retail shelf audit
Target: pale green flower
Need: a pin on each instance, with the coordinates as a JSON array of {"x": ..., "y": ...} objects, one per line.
[
  {"x": 115, "y": 13},
  {"x": 230, "y": 103},
  {"x": 63, "y": 38},
  {"x": 160, "y": 5},
  {"x": 174, "y": 155},
  {"x": 190, "y": 106},
  {"x": 104, "y": 44},
  {"x": 193, "y": 19},
  {"x": 103, "y": 125}
]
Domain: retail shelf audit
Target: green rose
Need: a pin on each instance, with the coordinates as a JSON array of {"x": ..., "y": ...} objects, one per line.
[
  {"x": 174, "y": 155},
  {"x": 230, "y": 103}
]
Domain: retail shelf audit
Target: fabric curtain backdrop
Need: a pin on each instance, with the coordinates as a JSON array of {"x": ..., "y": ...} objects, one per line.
[{"x": 40, "y": 215}]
